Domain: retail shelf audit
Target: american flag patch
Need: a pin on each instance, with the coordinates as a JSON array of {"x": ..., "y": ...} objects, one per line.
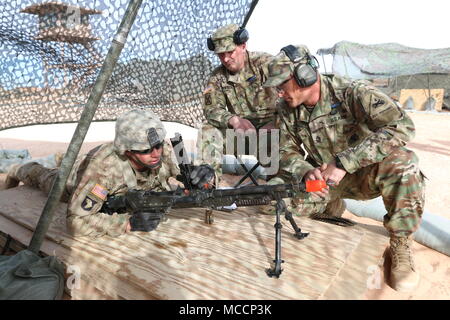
[
  {"x": 99, "y": 191},
  {"x": 208, "y": 90}
]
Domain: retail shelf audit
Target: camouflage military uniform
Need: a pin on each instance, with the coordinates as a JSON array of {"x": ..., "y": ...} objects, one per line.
[
  {"x": 227, "y": 95},
  {"x": 367, "y": 132},
  {"x": 104, "y": 171},
  {"x": 241, "y": 94}
]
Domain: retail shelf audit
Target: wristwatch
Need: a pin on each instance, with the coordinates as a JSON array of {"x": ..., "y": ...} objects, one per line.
[{"x": 339, "y": 163}]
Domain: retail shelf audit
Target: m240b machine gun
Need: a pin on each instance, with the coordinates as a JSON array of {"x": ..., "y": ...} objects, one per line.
[{"x": 149, "y": 207}]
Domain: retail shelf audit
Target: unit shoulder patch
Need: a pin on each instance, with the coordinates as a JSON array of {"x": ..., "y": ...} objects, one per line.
[
  {"x": 378, "y": 102},
  {"x": 208, "y": 100},
  {"x": 88, "y": 203}
]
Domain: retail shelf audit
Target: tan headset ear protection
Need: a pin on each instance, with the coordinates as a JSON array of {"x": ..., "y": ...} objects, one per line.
[{"x": 304, "y": 73}]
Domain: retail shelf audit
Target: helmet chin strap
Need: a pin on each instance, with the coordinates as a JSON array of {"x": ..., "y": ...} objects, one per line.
[{"x": 148, "y": 166}]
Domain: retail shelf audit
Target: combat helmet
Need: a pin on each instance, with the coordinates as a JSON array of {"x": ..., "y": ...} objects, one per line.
[{"x": 138, "y": 130}]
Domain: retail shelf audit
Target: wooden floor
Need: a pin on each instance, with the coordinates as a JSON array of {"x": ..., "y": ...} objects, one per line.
[{"x": 188, "y": 259}]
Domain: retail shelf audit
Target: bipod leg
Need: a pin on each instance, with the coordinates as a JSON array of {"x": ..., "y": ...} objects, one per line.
[
  {"x": 276, "y": 270},
  {"x": 248, "y": 174},
  {"x": 298, "y": 232},
  {"x": 209, "y": 218}
]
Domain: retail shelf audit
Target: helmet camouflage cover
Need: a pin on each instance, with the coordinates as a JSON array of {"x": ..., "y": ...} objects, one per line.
[{"x": 134, "y": 129}]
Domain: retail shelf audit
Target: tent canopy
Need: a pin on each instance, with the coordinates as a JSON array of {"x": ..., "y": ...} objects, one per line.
[{"x": 385, "y": 60}]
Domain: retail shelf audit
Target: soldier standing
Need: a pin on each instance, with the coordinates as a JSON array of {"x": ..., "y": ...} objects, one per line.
[
  {"x": 234, "y": 97},
  {"x": 138, "y": 158},
  {"x": 354, "y": 137}
]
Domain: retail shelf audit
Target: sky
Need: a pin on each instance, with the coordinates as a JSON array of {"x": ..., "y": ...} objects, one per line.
[{"x": 322, "y": 23}]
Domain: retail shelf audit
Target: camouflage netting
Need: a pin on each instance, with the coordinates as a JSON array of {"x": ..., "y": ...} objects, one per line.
[
  {"x": 51, "y": 53},
  {"x": 398, "y": 67}
]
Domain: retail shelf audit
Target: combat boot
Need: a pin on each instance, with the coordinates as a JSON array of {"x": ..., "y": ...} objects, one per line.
[
  {"x": 404, "y": 277},
  {"x": 335, "y": 208},
  {"x": 12, "y": 180}
]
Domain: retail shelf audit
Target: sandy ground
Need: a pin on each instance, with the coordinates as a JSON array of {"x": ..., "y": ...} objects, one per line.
[{"x": 432, "y": 145}]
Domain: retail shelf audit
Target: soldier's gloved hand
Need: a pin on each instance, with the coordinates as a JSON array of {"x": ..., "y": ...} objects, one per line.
[
  {"x": 145, "y": 220},
  {"x": 201, "y": 175}
]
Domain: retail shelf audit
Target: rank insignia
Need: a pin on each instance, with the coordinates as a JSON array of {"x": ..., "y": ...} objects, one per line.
[{"x": 88, "y": 204}]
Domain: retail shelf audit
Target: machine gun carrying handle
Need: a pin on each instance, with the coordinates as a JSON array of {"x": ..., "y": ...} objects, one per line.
[{"x": 183, "y": 160}]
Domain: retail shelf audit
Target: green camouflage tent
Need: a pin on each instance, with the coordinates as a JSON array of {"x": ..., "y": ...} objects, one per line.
[{"x": 399, "y": 66}]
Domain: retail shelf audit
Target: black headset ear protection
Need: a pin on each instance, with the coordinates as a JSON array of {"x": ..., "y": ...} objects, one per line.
[
  {"x": 305, "y": 73},
  {"x": 240, "y": 36}
]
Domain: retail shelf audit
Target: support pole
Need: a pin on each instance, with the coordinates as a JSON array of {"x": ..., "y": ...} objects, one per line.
[
  {"x": 83, "y": 125},
  {"x": 249, "y": 13}
]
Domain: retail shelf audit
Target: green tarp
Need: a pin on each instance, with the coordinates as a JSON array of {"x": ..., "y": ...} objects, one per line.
[{"x": 26, "y": 276}]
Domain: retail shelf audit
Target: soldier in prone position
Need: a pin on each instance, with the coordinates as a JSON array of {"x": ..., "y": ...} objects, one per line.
[
  {"x": 139, "y": 158},
  {"x": 355, "y": 138}
]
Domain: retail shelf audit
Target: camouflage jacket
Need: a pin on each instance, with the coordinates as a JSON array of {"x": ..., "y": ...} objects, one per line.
[
  {"x": 103, "y": 172},
  {"x": 240, "y": 94},
  {"x": 352, "y": 121}
]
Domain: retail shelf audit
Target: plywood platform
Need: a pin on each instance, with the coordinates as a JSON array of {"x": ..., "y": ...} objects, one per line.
[{"x": 188, "y": 259}]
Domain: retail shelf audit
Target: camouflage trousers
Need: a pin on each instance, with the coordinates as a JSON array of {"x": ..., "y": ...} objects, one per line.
[
  {"x": 212, "y": 144},
  {"x": 37, "y": 176},
  {"x": 397, "y": 179}
]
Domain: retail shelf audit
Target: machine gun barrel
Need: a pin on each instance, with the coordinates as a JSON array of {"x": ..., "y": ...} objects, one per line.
[{"x": 261, "y": 189}]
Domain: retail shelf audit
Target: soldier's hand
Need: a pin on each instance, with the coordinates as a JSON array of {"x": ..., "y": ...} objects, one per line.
[
  {"x": 316, "y": 174},
  {"x": 201, "y": 175},
  {"x": 241, "y": 123},
  {"x": 269, "y": 126},
  {"x": 128, "y": 227},
  {"x": 331, "y": 174}
]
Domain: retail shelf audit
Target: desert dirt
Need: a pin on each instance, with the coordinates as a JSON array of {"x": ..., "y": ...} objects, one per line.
[{"x": 431, "y": 144}]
